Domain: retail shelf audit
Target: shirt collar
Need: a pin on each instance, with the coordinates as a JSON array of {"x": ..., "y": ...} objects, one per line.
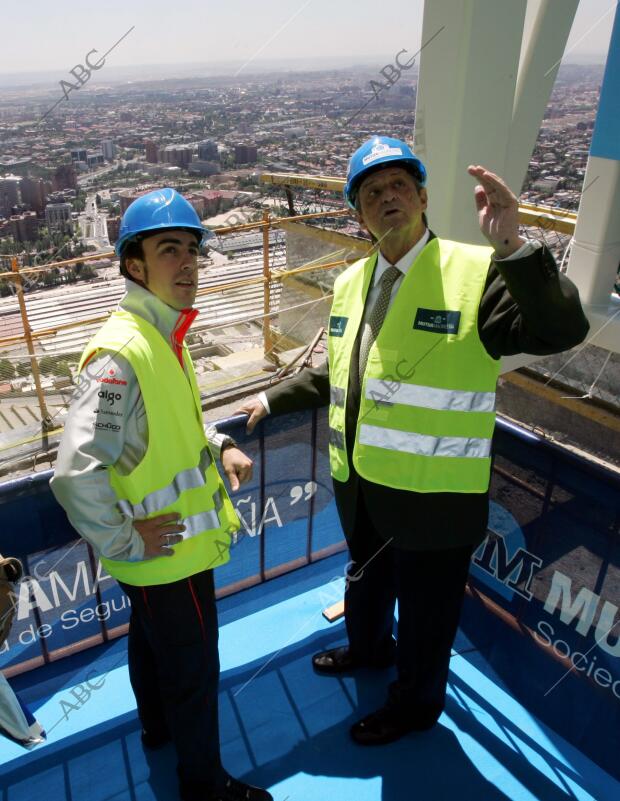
[
  {"x": 403, "y": 264},
  {"x": 171, "y": 323}
]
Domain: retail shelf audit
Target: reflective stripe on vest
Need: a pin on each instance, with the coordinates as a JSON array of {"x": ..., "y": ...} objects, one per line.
[
  {"x": 210, "y": 520},
  {"x": 204, "y": 521},
  {"x": 336, "y": 438},
  {"x": 427, "y": 400},
  {"x": 429, "y": 397},
  {"x": 197, "y": 524},
  {"x": 336, "y": 396},
  {"x": 177, "y": 473},
  {"x": 424, "y": 445},
  {"x": 159, "y": 499}
]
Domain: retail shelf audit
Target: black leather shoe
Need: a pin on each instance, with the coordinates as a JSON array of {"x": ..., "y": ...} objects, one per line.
[
  {"x": 339, "y": 660},
  {"x": 235, "y": 790},
  {"x": 231, "y": 790},
  {"x": 153, "y": 740},
  {"x": 386, "y": 726}
]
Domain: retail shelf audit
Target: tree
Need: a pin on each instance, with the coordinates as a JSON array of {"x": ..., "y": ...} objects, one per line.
[
  {"x": 87, "y": 272},
  {"x": 47, "y": 365},
  {"x": 7, "y": 370},
  {"x": 62, "y": 368}
]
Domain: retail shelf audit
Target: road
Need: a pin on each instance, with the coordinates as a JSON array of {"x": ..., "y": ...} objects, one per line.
[{"x": 93, "y": 225}]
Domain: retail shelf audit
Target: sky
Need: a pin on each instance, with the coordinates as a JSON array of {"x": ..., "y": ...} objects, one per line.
[{"x": 39, "y": 35}]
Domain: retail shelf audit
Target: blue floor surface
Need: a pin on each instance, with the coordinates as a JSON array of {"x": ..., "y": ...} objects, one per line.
[{"x": 286, "y": 728}]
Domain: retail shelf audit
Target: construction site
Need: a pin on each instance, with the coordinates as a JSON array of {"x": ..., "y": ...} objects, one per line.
[
  {"x": 264, "y": 297},
  {"x": 525, "y": 697}
]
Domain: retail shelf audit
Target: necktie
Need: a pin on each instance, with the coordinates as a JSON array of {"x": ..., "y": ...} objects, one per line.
[{"x": 376, "y": 317}]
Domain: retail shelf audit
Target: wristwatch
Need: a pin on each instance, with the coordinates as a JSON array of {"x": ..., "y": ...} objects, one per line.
[{"x": 227, "y": 442}]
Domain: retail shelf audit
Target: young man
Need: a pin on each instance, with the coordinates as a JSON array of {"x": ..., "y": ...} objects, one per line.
[
  {"x": 137, "y": 478},
  {"x": 416, "y": 333}
]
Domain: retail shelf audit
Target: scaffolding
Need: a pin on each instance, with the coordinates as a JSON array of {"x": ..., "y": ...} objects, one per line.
[{"x": 40, "y": 347}]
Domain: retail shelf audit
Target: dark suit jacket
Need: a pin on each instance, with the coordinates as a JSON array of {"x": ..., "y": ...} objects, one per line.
[{"x": 527, "y": 307}]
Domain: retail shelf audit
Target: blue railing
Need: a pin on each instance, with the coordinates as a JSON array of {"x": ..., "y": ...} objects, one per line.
[
  {"x": 69, "y": 602},
  {"x": 543, "y": 596}
]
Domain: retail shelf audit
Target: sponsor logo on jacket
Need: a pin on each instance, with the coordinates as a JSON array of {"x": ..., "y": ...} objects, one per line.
[
  {"x": 108, "y": 412},
  {"x": 111, "y": 378},
  {"x": 106, "y": 426},
  {"x": 110, "y": 397},
  {"x": 111, "y": 381}
]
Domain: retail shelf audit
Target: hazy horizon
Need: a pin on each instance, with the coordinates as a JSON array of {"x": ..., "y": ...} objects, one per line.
[
  {"x": 138, "y": 73},
  {"x": 204, "y": 35}
]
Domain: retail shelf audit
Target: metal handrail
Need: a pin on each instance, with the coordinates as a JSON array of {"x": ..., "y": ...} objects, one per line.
[
  {"x": 275, "y": 275},
  {"x": 549, "y": 218},
  {"x": 277, "y": 222},
  {"x": 530, "y": 214}
]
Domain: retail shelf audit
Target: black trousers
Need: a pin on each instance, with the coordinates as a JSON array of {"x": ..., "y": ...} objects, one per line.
[
  {"x": 429, "y": 587},
  {"x": 174, "y": 670}
]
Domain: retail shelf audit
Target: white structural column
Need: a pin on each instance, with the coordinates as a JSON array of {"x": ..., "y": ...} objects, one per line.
[
  {"x": 485, "y": 81},
  {"x": 464, "y": 102},
  {"x": 595, "y": 253},
  {"x": 481, "y": 96},
  {"x": 547, "y": 27}
]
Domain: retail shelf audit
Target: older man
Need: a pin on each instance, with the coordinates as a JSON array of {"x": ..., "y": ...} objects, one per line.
[{"x": 415, "y": 336}]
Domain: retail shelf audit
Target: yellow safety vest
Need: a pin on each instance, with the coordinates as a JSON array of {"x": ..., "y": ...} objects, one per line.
[
  {"x": 177, "y": 472},
  {"x": 427, "y": 408}
]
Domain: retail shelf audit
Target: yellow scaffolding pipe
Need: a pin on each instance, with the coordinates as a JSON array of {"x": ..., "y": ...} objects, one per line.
[
  {"x": 529, "y": 214},
  {"x": 548, "y": 219},
  {"x": 267, "y": 345},
  {"x": 45, "y": 416},
  {"x": 278, "y": 222},
  {"x": 211, "y": 290},
  {"x": 331, "y": 183},
  {"x": 56, "y": 264}
]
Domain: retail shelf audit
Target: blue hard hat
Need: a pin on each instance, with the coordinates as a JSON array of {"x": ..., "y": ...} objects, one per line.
[
  {"x": 156, "y": 211},
  {"x": 375, "y": 151}
]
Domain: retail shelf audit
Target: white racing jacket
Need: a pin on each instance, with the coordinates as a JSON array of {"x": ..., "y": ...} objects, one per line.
[{"x": 107, "y": 425}]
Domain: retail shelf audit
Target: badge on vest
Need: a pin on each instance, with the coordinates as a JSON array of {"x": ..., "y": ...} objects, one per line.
[
  {"x": 437, "y": 321},
  {"x": 337, "y": 326}
]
